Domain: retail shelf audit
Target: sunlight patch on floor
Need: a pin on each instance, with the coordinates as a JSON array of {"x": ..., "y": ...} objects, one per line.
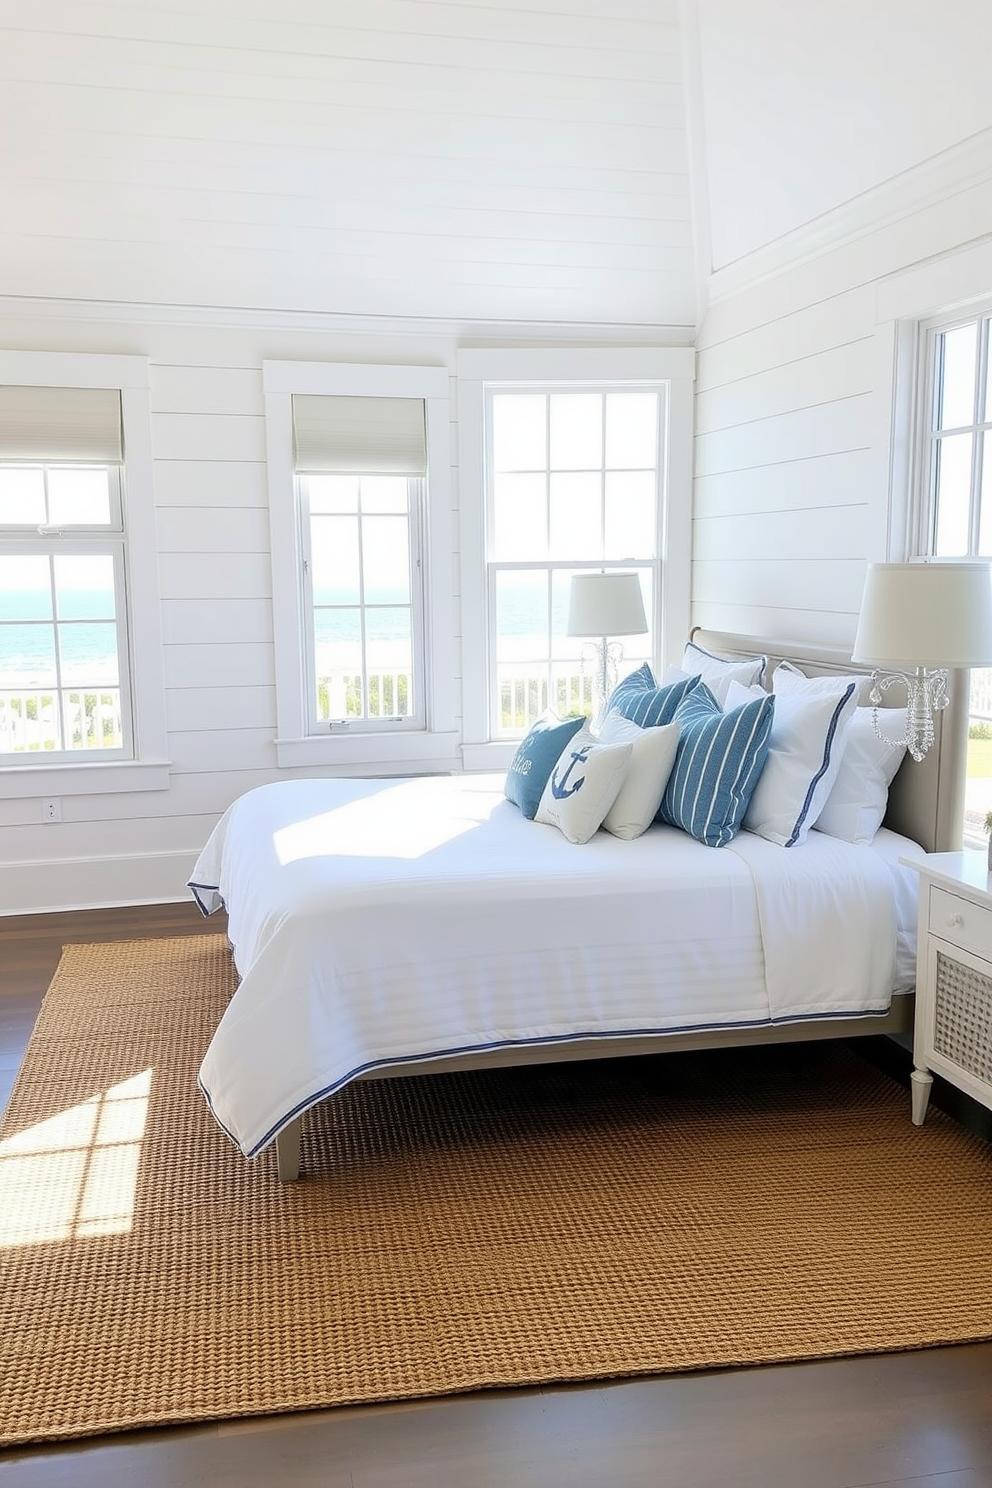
[{"x": 75, "y": 1175}]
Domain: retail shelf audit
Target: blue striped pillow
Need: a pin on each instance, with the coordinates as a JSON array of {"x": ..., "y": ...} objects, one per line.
[
  {"x": 639, "y": 698},
  {"x": 719, "y": 759}
]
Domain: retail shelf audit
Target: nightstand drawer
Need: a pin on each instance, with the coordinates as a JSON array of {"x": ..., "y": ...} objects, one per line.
[{"x": 960, "y": 922}]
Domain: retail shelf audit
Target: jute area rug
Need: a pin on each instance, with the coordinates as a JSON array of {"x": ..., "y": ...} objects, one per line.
[{"x": 509, "y": 1228}]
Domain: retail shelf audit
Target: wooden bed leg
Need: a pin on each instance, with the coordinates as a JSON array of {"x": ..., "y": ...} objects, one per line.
[
  {"x": 921, "y": 1081},
  {"x": 288, "y": 1152}
]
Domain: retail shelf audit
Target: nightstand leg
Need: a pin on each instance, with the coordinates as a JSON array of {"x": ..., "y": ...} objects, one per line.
[{"x": 921, "y": 1081}]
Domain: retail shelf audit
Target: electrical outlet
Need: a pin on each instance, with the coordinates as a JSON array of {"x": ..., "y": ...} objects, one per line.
[{"x": 51, "y": 811}]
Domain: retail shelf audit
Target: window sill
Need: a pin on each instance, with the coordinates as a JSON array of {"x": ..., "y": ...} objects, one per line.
[
  {"x": 369, "y": 750},
  {"x": 97, "y": 779}
]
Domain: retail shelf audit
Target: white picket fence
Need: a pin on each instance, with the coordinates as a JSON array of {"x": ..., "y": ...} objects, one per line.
[{"x": 29, "y": 721}]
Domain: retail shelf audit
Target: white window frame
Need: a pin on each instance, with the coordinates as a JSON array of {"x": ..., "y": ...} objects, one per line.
[
  {"x": 416, "y": 721},
  {"x": 149, "y": 766},
  {"x": 364, "y": 748},
  {"x": 569, "y": 370},
  {"x": 923, "y": 520}
]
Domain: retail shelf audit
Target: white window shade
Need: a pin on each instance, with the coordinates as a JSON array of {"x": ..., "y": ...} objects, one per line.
[
  {"x": 381, "y": 436},
  {"x": 52, "y": 423}
]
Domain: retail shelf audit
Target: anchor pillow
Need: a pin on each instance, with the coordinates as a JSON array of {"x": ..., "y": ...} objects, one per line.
[
  {"x": 535, "y": 759},
  {"x": 583, "y": 786}
]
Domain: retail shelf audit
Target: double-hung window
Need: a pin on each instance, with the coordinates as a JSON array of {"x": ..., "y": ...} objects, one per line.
[
  {"x": 82, "y": 702},
  {"x": 361, "y": 563},
  {"x": 64, "y": 651},
  {"x": 955, "y": 498},
  {"x": 573, "y": 487},
  {"x": 360, "y": 466},
  {"x": 583, "y": 460}
]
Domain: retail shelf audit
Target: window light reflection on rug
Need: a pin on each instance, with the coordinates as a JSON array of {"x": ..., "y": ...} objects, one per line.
[
  {"x": 604, "y": 605},
  {"x": 75, "y": 1175},
  {"x": 918, "y": 620}
]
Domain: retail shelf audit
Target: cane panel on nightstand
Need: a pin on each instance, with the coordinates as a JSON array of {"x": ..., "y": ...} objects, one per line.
[{"x": 963, "y": 1017}]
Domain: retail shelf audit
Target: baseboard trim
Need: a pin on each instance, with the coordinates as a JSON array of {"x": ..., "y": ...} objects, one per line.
[{"x": 51, "y": 885}]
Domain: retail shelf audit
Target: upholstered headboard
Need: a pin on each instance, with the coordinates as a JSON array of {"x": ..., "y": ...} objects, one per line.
[{"x": 926, "y": 800}]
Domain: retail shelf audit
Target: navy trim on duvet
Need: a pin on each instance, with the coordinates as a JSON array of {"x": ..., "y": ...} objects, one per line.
[
  {"x": 558, "y": 1038},
  {"x": 208, "y": 888}
]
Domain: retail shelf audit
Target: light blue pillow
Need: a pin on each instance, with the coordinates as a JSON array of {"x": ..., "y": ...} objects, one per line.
[
  {"x": 640, "y": 698},
  {"x": 531, "y": 766},
  {"x": 718, "y": 763}
]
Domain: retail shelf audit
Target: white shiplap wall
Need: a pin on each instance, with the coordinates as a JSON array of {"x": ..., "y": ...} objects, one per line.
[
  {"x": 441, "y": 158},
  {"x": 208, "y": 183},
  {"x": 794, "y": 419},
  {"x": 215, "y": 583}
]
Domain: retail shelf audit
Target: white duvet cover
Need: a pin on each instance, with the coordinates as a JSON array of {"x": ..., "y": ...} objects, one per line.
[{"x": 377, "y": 922}]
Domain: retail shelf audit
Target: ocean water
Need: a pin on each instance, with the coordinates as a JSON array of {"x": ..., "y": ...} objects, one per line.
[
  {"x": 89, "y": 645},
  {"x": 89, "y": 652}
]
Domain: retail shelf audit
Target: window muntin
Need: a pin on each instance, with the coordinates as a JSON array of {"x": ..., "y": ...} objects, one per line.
[
  {"x": 64, "y": 673},
  {"x": 362, "y": 593},
  {"x": 572, "y": 484},
  {"x": 957, "y": 439},
  {"x": 956, "y": 504}
]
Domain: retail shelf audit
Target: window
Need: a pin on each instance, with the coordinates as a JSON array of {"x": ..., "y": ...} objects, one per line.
[
  {"x": 361, "y": 556},
  {"x": 570, "y": 460},
  {"x": 955, "y": 506},
  {"x": 79, "y": 621},
  {"x": 572, "y": 485},
  {"x": 64, "y": 663},
  {"x": 360, "y": 467}
]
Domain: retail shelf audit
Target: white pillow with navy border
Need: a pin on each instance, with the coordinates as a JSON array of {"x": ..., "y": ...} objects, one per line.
[
  {"x": 719, "y": 671},
  {"x": 583, "y": 786},
  {"x": 860, "y": 794},
  {"x": 805, "y": 749},
  {"x": 651, "y": 760}
]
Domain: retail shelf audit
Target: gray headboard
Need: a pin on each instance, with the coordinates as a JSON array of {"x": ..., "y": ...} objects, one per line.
[{"x": 926, "y": 800}]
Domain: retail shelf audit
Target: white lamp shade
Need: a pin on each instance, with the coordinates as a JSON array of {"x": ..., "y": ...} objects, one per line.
[
  {"x": 925, "y": 615},
  {"x": 606, "y": 604}
]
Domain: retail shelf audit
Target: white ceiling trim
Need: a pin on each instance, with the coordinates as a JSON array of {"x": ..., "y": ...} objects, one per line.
[
  {"x": 964, "y": 165},
  {"x": 319, "y": 322}
]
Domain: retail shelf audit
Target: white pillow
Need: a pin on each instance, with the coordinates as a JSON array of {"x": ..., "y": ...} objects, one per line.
[
  {"x": 856, "y": 803},
  {"x": 788, "y": 677},
  {"x": 583, "y": 786},
  {"x": 651, "y": 760},
  {"x": 719, "y": 671},
  {"x": 805, "y": 749}
]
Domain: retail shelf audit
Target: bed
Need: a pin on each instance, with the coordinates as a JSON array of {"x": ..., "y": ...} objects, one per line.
[{"x": 388, "y": 927}]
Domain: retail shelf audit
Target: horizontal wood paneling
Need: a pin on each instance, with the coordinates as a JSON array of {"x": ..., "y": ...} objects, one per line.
[
  {"x": 220, "y": 708},
  {"x": 199, "y": 483},
  {"x": 385, "y": 157},
  {"x": 829, "y": 429},
  {"x": 215, "y": 575},
  {"x": 796, "y": 583},
  {"x": 829, "y": 532},
  {"x": 806, "y": 382},
  {"x": 211, "y": 664},
  {"x": 232, "y": 529},
  {"x": 793, "y": 428},
  {"x": 209, "y": 620},
  {"x": 816, "y": 480}
]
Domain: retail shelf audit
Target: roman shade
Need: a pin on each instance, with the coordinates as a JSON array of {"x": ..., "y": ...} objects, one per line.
[
  {"x": 380, "y": 436},
  {"x": 54, "y": 423}
]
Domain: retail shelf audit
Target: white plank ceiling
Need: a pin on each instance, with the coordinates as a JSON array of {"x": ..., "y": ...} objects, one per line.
[{"x": 476, "y": 160}]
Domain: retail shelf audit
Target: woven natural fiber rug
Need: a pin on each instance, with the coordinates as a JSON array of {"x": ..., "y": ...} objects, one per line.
[{"x": 560, "y": 1223}]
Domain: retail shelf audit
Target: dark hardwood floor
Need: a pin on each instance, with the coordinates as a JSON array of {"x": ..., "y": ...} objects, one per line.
[{"x": 922, "y": 1419}]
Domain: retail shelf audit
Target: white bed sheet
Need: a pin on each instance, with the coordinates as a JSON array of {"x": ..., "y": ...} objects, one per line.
[{"x": 380, "y": 922}]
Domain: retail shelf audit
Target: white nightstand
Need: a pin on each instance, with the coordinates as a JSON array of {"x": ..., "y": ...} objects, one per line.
[{"x": 953, "y": 1030}]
